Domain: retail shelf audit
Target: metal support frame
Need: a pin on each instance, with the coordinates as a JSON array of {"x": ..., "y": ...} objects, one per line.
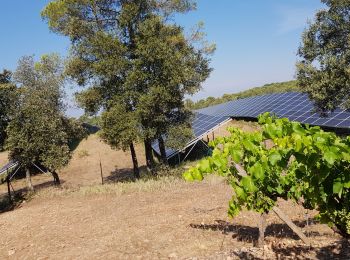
[
  {"x": 40, "y": 169},
  {"x": 199, "y": 138},
  {"x": 9, "y": 178},
  {"x": 190, "y": 151}
]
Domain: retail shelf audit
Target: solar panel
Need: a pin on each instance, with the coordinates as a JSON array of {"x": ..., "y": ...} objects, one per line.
[
  {"x": 292, "y": 105},
  {"x": 201, "y": 124},
  {"x": 8, "y": 167}
]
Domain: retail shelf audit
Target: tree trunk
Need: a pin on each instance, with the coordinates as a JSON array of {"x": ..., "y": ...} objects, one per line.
[
  {"x": 134, "y": 161},
  {"x": 29, "y": 180},
  {"x": 8, "y": 188},
  {"x": 149, "y": 156},
  {"x": 56, "y": 179},
  {"x": 262, "y": 228},
  {"x": 162, "y": 150}
]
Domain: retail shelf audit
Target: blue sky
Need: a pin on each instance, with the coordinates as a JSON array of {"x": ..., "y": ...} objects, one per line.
[{"x": 256, "y": 40}]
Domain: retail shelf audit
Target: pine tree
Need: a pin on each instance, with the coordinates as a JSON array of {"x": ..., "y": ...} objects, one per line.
[{"x": 108, "y": 55}]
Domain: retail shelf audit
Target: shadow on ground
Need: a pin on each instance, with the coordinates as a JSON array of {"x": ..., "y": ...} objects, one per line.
[
  {"x": 251, "y": 234},
  {"x": 123, "y": 175},
  {"x": 20, "y": 195},
  {"x": 338, "y": 250}
]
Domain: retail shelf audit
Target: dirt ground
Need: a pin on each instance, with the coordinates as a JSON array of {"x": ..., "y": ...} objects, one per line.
[
  {"x": 84, "y": 167},
  {"x": 147, "y": 220},
  {"x": 186, "y": 222}
]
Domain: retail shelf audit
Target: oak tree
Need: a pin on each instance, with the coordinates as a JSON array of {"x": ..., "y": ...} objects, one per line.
[
  {"x": 324, "y": 69},
  {"x": 38, "y": 131}
]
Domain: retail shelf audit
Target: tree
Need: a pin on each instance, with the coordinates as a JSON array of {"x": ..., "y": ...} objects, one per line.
[
  {"x": 110, "y": 56},
  {"x": 323, "y": 71},
  {"x": 118, "y": 129},
  {"x": 38, "y": 131},
  {"x": 7, "y": 99},
  {"x": 173, "y": 69}
]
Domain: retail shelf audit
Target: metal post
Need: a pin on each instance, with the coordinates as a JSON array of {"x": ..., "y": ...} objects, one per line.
[
  {"x": 8, "y": 186},
  {"x": 102, "y": 182}
]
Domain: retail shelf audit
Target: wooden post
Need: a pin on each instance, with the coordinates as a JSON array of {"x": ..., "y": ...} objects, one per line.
[
  {"x": 262, "y": 228},
  {"x": 101, "y": 172},
  {"x": 287, "y": 220},
  {"x": 212, "y": 133}
]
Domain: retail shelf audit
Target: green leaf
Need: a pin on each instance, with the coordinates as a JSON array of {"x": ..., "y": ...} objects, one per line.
[
  {"x": 337, "y": 186},
  {"x": 248, "y": 184},
  {"x": 269, "y": 188},
  {"x": 297, "y": 128},
  {"x": 197, "y": 175},
  {"x": 279, "y": 190},
  {"x": 193, "y": 175},
  {"x": 249, "y": 145},
  {"x": 240, "y": 192},
  {"x": 188, "y": 176},
  {"x": 347, "y": 185},
  {"x": 237, "y": 155},
  {"x": 275, "y": 157},
  {"x": 204, "y": 166},
  {"x": 330, "y": 157},
  {"x": 257, "y": 171}
]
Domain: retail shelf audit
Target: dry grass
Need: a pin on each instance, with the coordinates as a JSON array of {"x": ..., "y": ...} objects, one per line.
[
  {"x": 142, "y": 185},
  {"x": 3, "y": 158},
  {"x": 247, "y": 126},
  {"x": 167, "y": 179}
]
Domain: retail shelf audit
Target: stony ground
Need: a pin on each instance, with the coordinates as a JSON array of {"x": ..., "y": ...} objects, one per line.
[
  {"x": 154, "y": 219},
  {"x": 173, "y": 220}
]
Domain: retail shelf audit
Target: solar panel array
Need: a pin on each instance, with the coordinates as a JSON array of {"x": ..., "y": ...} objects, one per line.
[
  {"x": 201, "y": 124},
  {"x": 292, "y": 105}
]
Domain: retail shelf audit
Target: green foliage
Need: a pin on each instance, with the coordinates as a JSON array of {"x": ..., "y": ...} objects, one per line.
[
  {"x": 111, "y": 43},
  {"x": 38, "y": 130},
  {"x": 178, "y": 135},
  {"x": 285, "y": 160},
  {"x": 7, "y": 99},
  {"x": 119, "y": 126},
  {"x": 90, "y": 120},
  {"x": 266, "y": 89},
  {"x": 323, "y": 71}
]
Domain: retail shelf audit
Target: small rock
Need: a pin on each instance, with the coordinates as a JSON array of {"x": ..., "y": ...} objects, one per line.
[
  {"x": 11, "y": 252},
  {"x": 172, "y": 255}
]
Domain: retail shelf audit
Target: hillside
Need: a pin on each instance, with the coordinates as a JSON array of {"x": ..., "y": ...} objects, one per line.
[
  {"x": 266, "y": 89},
  {"x": 154, "y": 218}
]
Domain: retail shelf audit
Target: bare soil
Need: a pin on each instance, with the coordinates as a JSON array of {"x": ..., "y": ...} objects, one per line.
[
  {"x": 186, "y": 222},
  {"x": 84, "y": 167},
  {"x": 175, "y": 219}
]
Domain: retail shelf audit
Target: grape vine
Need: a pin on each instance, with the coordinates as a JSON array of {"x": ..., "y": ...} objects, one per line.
[{"x": 283, "y": 160}]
